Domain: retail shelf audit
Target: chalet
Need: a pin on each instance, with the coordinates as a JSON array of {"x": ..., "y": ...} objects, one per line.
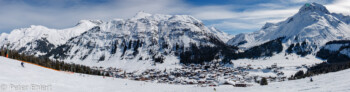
[
  {"x": 280, "y": 74},
  {"x": 201, "y": 81},
  {"x": 171, "y": 77},
  {"x": 202, "y": 85},
  {"x": 274, "y": 65},
  {"x": 249, "y": 66},
  {"x": 201, "y": 76},
  {"x": 275, "y": 70},
  {"x": 144, "y": 78},
  {"x": 240, "y": 85},
  {"x": 212, "y": 84},
  {"x": 137, "y": 78}
]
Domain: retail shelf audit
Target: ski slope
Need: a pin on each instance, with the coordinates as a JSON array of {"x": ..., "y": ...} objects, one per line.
[{"x": 14, "y": 78}]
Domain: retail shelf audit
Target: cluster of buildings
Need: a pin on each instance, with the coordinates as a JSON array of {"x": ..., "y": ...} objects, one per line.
[{"x": 208, "y": 74}]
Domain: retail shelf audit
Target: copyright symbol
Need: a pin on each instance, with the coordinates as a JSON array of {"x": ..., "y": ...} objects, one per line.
[{"x": 3, "y": 86}]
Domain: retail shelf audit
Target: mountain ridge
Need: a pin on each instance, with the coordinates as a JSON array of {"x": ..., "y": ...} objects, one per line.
[
  {"x": 151, "y": 39},
  {"x": 313, "y": 23},
  {"x": 148, "y": 39}
]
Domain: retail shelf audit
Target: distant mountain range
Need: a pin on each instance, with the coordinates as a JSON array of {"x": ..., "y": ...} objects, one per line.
[{"x": 171, "y": 39}]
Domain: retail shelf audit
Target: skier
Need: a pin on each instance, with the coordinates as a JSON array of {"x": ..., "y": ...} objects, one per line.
[
  {"x": 311, "y": 80},
  {"x": 214, "y": 89},
  {"x": 22, "y": 64}
]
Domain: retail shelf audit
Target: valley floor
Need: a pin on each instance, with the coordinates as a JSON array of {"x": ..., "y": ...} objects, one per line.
[{"x": 32, "y": 78}]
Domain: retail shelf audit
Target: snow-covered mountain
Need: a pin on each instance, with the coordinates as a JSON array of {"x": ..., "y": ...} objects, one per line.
[
  {"x": 222, "y": 35},
  {"x": 303, "y": 33},
  {"x": 313, "y": 24},
  {"x": 39, "y": 39},
  {"x": 144, "y": 37},
  {"x": 172, "y": 39}
]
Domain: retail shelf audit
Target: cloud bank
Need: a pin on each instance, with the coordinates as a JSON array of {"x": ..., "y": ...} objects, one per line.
[{"x": 232, "y": 18}]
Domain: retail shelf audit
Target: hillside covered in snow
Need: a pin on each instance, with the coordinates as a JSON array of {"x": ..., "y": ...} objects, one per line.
[
  {"x": 305, "y": 33},
  {"x": 144, "y": 40},
  {"x": 178, "y": 53},
  {"x": 32, "y": 78},
  {"x": 169, "y": 41},
  {"x": 313, "y": 24}
]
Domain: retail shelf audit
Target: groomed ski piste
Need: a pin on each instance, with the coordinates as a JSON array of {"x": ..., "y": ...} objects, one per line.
[{"x": 33, "y": 78}]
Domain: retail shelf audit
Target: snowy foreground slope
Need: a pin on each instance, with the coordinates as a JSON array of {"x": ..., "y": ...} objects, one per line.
[{"x": 14, "y": 78}]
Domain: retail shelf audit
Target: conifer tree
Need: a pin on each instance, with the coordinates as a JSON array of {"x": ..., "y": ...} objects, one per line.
[{"x": 263, "y": 81}]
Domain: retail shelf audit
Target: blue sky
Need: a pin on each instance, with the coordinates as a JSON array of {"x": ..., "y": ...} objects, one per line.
[{"x": 231, "y": 16}]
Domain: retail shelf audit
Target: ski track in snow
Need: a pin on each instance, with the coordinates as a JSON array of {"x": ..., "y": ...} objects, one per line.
[{"x": 13, "y": 74}]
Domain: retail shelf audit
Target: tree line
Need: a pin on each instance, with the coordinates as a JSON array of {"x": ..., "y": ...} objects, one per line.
[
  {"x": 46, "y": 62},
  {"x": 321, "y": 68},
  {"x": 335, "y": 61}
]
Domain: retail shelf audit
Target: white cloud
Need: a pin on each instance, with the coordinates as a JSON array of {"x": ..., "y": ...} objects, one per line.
[
  {"x": 20, "y": 14},
  {"x": 213, "y": 12},
  {"x": 340, "y": 6},
  {"x": 253, "y": 19},
  {"x": 249, "y": 19},
  {"x": 229, "y": 18},
  {"x": 214, "y": 15},
  {"x": 236, "y": 25},
  {"x": 298, "y": 1}
]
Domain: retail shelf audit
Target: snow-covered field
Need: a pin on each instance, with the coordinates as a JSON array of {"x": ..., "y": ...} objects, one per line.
[
  {"x": 280, "y": 60},
  {"x": 14, "y": 78},
  {"x": 290, "y": 65},
  {"x": 132, "y": 64}
]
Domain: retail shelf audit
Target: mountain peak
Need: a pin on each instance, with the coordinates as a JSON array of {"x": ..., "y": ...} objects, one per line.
[
  {"x": 313, "y": 23},
  {"x": 142, "y": 14},
  {"x": 313, "y": 7},
  {"x": 96, "y": 22}
]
